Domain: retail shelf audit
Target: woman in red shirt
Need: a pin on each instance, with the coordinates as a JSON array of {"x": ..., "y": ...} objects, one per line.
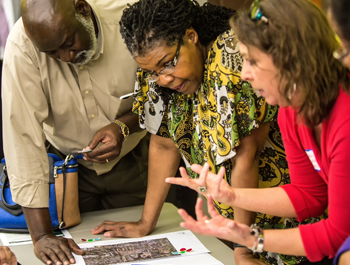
[{"x": 287, "y": 47}]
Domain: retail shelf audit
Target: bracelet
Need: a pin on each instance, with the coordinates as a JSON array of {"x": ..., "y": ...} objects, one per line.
[{"x": 258, "y": 233}]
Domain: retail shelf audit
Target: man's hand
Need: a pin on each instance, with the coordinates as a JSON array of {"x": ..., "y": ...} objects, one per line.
[
  {"x": 123, "y": 229},
  {"x": 112, "y": 139},
  {"x": 56, "y": 250},
  {"x": 245, "y": 257},
  {"x": 7, "y": 256}
]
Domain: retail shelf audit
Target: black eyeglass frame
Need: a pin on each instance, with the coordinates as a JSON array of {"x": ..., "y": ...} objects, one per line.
[{"x": 153, "y": 76}]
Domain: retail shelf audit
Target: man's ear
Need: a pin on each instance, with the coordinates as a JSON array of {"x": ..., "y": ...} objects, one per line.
[
  {"x": 83, "y": 8},
  {"x": 192, "y": 35}
]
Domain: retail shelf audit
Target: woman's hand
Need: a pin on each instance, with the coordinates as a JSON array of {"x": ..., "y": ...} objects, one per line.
[
  {"x": 122, "y": 229},
  {"x": 218, "y": 226},
  {"x": 215, "y": 184}
]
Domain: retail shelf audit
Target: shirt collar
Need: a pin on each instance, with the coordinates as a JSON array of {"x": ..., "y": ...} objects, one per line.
[{"x": 100, "y": 38}]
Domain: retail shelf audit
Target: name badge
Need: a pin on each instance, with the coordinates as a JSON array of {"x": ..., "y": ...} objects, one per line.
[{"x": 312, "y": 158}]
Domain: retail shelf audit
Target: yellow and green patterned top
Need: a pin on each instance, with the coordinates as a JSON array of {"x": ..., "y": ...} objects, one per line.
[{"x": 207, "y": 126}]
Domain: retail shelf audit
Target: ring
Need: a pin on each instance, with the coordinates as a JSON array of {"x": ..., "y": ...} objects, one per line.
[
  {"x": 107, "y": 160},
  {"x": 202, "y": 189},
  {"x": 207, "y": 221}
]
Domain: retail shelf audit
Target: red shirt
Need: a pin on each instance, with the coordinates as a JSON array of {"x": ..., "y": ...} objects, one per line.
[{"x": 320, "y": 178}]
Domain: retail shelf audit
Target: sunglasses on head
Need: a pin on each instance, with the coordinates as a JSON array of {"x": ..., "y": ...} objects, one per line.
[{"x": 256, "y": 14}]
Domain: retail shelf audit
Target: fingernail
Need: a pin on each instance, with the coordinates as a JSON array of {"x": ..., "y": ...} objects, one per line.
[
  {"x": 5, "y": 264},
  {"x": 72, "y": 260},
  {"x": 107, "y": 234}
]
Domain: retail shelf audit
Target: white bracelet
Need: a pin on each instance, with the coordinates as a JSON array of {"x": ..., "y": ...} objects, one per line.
[{"x": 258, "y": 233}]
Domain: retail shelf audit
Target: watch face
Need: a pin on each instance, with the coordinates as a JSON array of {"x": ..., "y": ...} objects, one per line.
[{"x": 126, "y": 131}]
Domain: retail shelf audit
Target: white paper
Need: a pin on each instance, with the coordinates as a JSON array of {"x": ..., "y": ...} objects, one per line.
[
  {"x": 11, "y": 239},
  {"x": 182, "y": 239}
]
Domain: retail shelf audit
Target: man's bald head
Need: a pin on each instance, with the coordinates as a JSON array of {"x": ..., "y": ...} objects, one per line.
[
  {"x": 45, "y": 15},
  {"x": 48, "y": 21}
]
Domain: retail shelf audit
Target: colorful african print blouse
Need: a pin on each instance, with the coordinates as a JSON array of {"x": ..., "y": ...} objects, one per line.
[{"x": 207, "y": 126}]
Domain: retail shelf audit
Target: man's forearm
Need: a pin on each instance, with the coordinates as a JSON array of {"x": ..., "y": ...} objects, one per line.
[
  {"x": 163, "y": 163},
  {"x": 38, "y": 222}
]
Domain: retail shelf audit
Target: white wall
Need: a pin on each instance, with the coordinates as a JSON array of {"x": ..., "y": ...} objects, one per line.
[{"x": 201, "y": 2}]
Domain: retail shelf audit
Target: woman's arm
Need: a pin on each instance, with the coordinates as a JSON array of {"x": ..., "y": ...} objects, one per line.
[
  {"x": 163, "y": 162},
  {"x": 273, "y": 201},
  {"x": 284, "y": 241}
]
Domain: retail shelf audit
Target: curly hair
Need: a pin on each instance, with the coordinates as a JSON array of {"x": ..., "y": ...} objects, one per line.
[
  {"x": 341, "y": 10},
  {"x": 301, "y": 43},
  {"x": 148, "y": 22}
]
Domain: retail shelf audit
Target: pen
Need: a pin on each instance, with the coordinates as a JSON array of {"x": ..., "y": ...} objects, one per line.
[{"x": 127, "y": 95}]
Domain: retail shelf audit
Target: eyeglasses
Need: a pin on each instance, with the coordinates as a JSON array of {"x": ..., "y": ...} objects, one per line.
[
  {"x": 169, "y": 67},
  {"x": 341, "y": 54},
  {"x": 256, "y": 14}
]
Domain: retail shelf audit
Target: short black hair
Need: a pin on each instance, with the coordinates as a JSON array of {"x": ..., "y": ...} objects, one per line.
[
  {"x": 341, "y": 14},
  {"x": 147, "y": 22}
]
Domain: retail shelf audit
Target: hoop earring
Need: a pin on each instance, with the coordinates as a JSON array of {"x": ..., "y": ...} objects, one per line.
[{"x": 291, "y": 93}]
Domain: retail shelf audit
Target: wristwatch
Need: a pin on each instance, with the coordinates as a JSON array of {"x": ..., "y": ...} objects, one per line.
[{"x": 125, "y": 129}]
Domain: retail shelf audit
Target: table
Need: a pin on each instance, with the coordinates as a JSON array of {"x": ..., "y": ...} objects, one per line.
[{"x": 168, "y": 222}]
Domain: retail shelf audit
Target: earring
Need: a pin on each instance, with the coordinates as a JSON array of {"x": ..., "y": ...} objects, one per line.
[{"x": 291, "y": 93}]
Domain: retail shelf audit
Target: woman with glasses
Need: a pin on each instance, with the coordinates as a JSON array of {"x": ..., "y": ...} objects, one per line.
[
  {"x": 192, "y": 99},
  {"x": 287, "y": 48}
]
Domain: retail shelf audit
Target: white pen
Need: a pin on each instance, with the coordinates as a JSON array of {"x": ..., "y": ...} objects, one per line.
[{"x": 127, "y": 95}]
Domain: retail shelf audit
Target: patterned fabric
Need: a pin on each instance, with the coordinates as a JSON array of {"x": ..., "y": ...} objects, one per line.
[{"x": 207, "y": 126}]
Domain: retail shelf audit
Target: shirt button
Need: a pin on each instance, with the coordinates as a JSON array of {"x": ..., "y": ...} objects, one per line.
[
  {"x": 87, "y": 92},
  {"x": 93, "y": 116},
  {"x": 81, "y": 67}
]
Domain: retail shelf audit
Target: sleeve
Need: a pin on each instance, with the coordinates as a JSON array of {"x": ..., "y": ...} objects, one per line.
[
  {"x": 150, "y": 105},
  {"x": 250, "y": 110},
  {"x": 25, "y": 108},
  {"x": 344, "y": 248},
  {"x": 326, "y": 237},
  {"x": 310, "y": 195}
]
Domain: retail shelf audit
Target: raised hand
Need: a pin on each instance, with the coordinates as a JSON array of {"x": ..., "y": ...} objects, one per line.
[
  {"x": 217, "y": 226},
  {"x": 215, "y": 184}
]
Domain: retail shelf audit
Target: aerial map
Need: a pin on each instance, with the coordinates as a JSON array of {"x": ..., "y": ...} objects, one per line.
[{"x": 129, "y": 252}]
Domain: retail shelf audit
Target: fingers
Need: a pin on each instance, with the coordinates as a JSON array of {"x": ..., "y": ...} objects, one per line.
[
  {"x": 122, "y": 229},
  {"x": 199, "y": 212},
  {"x": 75, "y": 248},
  {"x": 211, "y": 208},
  {"x": 53, "y": 250},
  {"x": 106, "y": 225},
  {"x": 196, "y": 168},
  {"x": 184, "y": 181},
  {"x": 7, "y": 256},
  {"x": 202, "y": 181}
]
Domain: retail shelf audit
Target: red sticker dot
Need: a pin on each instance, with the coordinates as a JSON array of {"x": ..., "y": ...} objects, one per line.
[{"x": 182, "y": 249}]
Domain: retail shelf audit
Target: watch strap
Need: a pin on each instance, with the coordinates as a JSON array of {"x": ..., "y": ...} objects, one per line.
[{"x": 125, "y": 129}]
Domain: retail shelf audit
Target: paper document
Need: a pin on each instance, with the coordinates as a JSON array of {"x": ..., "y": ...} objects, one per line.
[
  {"x": 11, "y": 239},
  {"x": 157, "y": 249}
]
